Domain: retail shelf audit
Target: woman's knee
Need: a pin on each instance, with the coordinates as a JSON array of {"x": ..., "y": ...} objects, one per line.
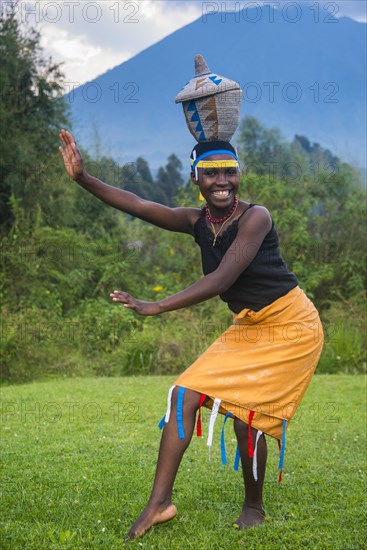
[
  {"x": 190, "y": 398},
  {"x": 240, "y": 428}
]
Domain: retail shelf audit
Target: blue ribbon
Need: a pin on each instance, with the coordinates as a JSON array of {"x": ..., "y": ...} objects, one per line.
[
  {"x": 180, "y": 398},
  {"x": 222, "y": 443},
  {"x": 161, "y": 424},
  {"x": 282, "y": 448},
  {"x": 237, "y": 459}
]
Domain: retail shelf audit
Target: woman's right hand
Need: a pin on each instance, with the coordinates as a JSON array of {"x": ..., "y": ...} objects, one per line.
[{"x": 70, "y": 155}]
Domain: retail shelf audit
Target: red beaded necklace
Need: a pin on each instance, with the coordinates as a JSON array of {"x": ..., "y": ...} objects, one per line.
[{"x": 228, "y": 215}]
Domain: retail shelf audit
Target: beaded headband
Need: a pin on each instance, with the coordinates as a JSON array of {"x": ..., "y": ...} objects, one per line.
[
  {"x": 218, "y": 164},
  {"x": 197, "y": 162}
]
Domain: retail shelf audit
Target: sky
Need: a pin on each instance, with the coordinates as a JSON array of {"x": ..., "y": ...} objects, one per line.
[{"x": 90, "y": 38}]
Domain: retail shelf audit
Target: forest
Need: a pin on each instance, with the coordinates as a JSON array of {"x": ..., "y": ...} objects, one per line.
[{"x": 63, "y": 251}]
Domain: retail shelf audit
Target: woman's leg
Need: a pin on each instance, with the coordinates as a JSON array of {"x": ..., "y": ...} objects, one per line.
[
  {"x": 253, "y": 511},
  {"x": 160, "y": 508}
]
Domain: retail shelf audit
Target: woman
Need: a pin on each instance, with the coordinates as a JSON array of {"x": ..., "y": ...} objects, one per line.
[{"x": 259, "y": 369}]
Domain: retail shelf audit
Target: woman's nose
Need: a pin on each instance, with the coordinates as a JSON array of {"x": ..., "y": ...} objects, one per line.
[{"x": 222, "y": 178}]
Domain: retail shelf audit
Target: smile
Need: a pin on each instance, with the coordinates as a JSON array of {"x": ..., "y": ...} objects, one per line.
[{"x": 224, "y": 193}]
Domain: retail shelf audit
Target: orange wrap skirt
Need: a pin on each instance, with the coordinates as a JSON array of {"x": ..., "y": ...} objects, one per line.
[{"x": 260, "y": 367}]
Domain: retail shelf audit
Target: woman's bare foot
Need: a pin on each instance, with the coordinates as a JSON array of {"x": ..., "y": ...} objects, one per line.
[
  {"x": 150, "y": 516},
  {"x": 251, "y": 517}
]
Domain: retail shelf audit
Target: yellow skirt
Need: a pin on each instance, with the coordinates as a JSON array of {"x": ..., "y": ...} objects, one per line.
[{"x": 259, "y": 368}]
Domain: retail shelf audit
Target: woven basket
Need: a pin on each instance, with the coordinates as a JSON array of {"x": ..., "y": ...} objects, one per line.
[{"x": 211, "y": 104}]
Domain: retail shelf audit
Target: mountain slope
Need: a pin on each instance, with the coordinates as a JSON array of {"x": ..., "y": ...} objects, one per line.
[{"x": 304, "y": 77}]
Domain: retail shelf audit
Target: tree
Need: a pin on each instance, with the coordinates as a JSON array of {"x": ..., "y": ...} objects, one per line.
[
  {"x": 262, "y": 149},
  {"x": 169, "y": 178},
  {"x": 250, "y": 135},
  {"x": 32, "y": 112},
  {"x": 143, "y": 170}
]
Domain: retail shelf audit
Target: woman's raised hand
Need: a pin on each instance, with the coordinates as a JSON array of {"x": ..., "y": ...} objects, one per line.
[
  {"x": 70, "y": 155},
  {"x": 140, "y": 307}
]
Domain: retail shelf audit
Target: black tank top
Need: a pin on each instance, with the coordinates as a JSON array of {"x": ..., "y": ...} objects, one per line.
[{"x": 266, "y": 279}]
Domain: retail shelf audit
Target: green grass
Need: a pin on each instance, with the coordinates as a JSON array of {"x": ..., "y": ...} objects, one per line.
[{"x": 78, "y": 456}]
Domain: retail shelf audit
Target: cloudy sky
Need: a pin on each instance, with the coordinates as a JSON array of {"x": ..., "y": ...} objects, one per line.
[{"x": 90, "y": 38}]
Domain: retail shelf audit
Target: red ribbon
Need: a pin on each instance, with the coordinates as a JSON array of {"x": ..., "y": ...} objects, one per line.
[
  {"x": 199, "y": 432},
  {"x": 250, "y": 448}
]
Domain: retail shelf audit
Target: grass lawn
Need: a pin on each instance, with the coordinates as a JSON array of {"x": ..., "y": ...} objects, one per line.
[{"x": 78, "y": 457}]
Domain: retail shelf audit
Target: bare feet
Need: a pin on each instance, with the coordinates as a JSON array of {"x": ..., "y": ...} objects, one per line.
[
  {"x": 251, "y": 517},
  {"x": 151, "y": 516}
]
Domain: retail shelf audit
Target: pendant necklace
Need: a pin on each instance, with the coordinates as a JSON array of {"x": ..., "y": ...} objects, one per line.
[{"x": 223, "y": 220}]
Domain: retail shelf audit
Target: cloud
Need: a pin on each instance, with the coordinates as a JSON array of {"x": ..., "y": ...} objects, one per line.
[
  {"x": 90, "y": 38},
  {"x": 356, "y": 9},
  {"x": 76, "y": 49},
  {"x": 82, "y": 60}
]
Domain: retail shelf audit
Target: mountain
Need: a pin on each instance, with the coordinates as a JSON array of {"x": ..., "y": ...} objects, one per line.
[{"x": 306, "y": 77}]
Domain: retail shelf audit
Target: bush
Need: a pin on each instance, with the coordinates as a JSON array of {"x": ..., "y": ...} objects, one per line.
[
  {"x": 345, "y": 343},
  {"x": 33, "y": 345}
]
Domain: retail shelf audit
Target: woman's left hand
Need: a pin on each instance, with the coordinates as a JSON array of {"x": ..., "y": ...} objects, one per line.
[{"x": 140, "y": 307}]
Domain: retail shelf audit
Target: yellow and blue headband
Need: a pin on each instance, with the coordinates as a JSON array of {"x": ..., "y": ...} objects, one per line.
[
  {"x": 196, "y": 161},
  {"x": 199, "y": 162}
]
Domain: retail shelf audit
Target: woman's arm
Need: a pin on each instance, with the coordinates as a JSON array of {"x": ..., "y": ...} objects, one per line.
[
  {"x": 173, "y": 219},
  {"x": 256, "y": 224}
]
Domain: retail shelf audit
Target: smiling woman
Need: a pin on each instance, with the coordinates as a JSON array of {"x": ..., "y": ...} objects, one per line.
[{"x": 258, "y": 370}]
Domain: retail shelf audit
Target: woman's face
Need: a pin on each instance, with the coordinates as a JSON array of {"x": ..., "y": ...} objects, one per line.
[{"x": 218, "y": 183}]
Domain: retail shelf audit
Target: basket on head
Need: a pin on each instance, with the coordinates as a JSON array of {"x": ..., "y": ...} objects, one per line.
[{"x": 211, "y": 104}]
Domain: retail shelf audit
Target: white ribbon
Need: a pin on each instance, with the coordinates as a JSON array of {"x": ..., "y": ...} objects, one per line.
[
  {"x": 254, "y": 461},
  {"x": 213, "y": 416},
  {"x": 169, "y": 399}
]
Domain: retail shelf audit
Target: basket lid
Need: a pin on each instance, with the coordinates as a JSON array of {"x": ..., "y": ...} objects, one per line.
[{"x": 205, "y": 83}]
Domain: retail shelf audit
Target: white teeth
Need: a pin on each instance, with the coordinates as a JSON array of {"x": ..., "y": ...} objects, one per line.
[{"x": 221, "y": 193}]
